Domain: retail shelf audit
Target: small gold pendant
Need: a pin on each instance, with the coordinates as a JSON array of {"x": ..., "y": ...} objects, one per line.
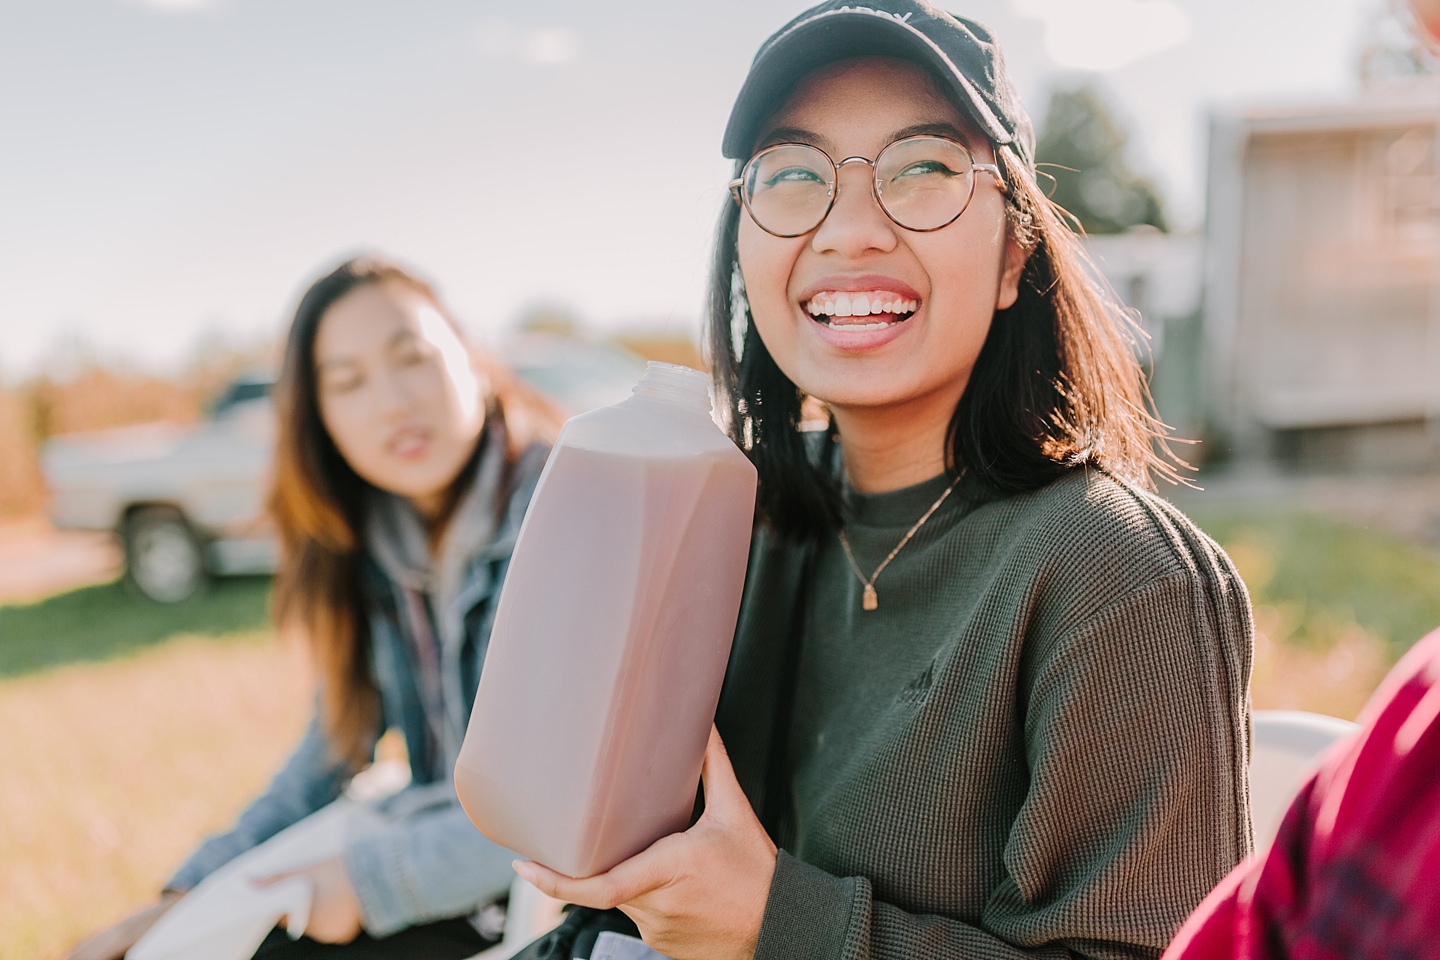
[{"x": 869, "y": 601}]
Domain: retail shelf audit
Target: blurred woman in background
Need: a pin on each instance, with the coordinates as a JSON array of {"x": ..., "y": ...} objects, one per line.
[{"x": 404, "y": 465}]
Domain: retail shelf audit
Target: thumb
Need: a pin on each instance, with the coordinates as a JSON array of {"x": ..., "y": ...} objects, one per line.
[
  {"x": 274, "y": 878},
  {"x": 723, "y": 794}
]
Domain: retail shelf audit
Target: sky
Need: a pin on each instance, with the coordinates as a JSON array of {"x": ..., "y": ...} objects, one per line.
[{"x": 176, "y": 171}]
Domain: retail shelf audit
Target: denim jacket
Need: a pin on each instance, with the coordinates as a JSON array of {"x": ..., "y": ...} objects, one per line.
[{"x": 428, "y": 862}]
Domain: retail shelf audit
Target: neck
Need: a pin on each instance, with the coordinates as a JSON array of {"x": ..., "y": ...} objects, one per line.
[
  {"x": 431, "y": 506},
  {"x": 437, "y": 507},
  {"x": 897, "y": 445}
]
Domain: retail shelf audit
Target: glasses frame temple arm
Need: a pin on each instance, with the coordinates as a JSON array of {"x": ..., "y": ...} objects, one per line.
[{"x": 989, "y": 168}]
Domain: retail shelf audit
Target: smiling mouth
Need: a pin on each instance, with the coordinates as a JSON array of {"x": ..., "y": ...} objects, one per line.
[
  {"x": 859, "y": 310},
  {"x": 409, "y": 442}
]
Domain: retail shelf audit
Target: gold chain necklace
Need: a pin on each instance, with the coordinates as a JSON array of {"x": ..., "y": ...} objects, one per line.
[{"x": 870, "y": 600}]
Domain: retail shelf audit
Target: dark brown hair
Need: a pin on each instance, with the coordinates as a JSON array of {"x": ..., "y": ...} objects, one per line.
[
  {"x": 317, "y": 501},
  {"x": 1057, "y": 384}
]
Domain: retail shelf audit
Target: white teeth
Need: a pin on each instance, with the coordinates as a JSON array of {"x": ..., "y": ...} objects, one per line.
[{"x": 830, "y": 304}]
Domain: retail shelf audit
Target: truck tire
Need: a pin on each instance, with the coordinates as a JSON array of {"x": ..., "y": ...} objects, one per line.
[{"x": 162, "y": 555}]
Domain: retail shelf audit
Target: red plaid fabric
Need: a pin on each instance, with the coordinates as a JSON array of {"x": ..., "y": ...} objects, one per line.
[{"x": 1354, "y": 872}]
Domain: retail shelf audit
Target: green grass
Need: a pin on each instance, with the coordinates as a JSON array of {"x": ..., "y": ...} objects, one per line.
[
  {"x": 1322, "y": 575},
  {"x": 109, "y": 620}
]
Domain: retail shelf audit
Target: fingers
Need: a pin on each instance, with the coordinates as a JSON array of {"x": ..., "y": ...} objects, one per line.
[
  {"x": 590, "y": 892},
  {"x": 274, "y": 878},
  {"x": 622, "y": 883}
]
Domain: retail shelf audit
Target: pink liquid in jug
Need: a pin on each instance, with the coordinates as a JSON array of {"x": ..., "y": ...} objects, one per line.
[{"x": 612, "y": 633}]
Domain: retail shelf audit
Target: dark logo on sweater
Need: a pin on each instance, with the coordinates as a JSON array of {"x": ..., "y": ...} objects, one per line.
[{"x": 918, "y": 689}]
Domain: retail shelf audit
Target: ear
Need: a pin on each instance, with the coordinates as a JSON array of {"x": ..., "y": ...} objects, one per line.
[{"x": 1011, "y": 267}]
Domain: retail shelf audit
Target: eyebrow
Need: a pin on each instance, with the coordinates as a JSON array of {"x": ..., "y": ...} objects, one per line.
[
  {"x": 400, "y": 336},
  {"x": 810, "y": 138},
  {"x": 793, "y": 135},
  {"x": 948, "y": 130}
]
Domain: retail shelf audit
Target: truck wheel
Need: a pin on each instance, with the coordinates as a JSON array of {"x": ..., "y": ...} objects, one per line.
[{"x": 162, "y": 556}]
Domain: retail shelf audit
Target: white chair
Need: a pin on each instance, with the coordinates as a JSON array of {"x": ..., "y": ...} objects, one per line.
[{"x": 1287, "y": 749}]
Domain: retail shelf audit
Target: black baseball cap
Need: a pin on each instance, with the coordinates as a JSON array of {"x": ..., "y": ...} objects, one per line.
[{"x": 961, "y": 52}]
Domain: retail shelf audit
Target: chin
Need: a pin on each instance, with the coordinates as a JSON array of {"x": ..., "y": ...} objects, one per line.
[
  {"x": 412, "y": 484},
  {"x": 862, "y": 382}
]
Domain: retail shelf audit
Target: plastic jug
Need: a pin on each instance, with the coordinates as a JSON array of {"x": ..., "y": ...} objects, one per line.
[{"x": 612, "y": 632}]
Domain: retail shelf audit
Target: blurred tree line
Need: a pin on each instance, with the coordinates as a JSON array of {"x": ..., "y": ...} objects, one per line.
[
  {"x": 87, "y": 393},
  {"x": 1082, "y": 147}
]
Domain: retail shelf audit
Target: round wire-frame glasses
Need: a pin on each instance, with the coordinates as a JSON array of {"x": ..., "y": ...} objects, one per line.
[{"x": 922, "y": 183}]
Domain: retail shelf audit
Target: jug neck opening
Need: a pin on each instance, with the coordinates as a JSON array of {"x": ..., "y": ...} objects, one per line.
[{"x": 675, "y": 384}]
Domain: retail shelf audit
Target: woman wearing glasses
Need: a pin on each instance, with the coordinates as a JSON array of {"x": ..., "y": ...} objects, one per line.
[{"x": 988, "y": 696}]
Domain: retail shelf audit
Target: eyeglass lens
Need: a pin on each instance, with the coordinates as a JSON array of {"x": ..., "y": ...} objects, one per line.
[{"x": 922, "y": 183}]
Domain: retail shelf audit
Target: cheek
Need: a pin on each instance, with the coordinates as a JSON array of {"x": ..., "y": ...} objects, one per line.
[
  {"x": 353, "y": 430},
  {"x": 452, "y": 409},
  {"x": 766, "y": 264},
  {"x": 964, "y": 269}
]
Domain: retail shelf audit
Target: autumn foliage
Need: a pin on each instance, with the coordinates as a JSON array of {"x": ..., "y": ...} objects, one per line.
[{"x": 96, "y": 398}]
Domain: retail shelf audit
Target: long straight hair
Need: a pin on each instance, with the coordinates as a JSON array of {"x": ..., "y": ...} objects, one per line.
[
  {"x": 317, "y": 501},
  {"x": 1057, "y": 384}
]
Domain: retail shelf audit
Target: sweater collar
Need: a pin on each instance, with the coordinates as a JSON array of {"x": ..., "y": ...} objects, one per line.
[{"x": 893, "y": 508}]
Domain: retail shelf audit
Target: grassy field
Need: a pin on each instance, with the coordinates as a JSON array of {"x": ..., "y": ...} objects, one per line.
[
  {"x": 113, "y": 770},
  {"x": 109, "y": 620},
  {"x": 132, "y": 730}
]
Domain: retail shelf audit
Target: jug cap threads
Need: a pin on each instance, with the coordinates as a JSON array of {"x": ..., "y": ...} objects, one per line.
[{"x": 676, "y": 384}]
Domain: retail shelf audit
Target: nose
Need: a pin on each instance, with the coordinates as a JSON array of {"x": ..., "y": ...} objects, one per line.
[
  {"x": 392, "y": 399},
  {"x": 856, "y": 225}
]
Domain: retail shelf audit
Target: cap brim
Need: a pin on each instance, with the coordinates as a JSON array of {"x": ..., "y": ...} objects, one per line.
[{"x": 838, "y": 35}]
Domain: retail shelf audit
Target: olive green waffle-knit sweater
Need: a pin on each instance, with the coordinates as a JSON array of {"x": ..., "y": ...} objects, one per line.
[{"x": 1035, "y": 747}]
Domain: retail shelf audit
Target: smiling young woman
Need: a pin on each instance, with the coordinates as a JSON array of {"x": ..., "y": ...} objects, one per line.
[{"x": 988, "y": 695}]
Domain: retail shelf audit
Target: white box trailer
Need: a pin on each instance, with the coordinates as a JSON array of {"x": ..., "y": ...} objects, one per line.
[{"x": 1322, "y": 309}]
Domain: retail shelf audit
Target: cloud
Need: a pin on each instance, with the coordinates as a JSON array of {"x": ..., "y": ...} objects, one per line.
[
  {"x": 1105, "y": 35},
  {"x": 545, "y": 47}
]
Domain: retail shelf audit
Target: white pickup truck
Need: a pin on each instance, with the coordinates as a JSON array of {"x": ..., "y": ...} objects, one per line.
[
  {"x": 185, "y": 501},
  {"x": 188, "y": 502}
]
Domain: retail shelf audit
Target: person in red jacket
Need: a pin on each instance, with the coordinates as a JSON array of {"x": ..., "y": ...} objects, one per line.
[{"x": 1354, "y": 872}]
